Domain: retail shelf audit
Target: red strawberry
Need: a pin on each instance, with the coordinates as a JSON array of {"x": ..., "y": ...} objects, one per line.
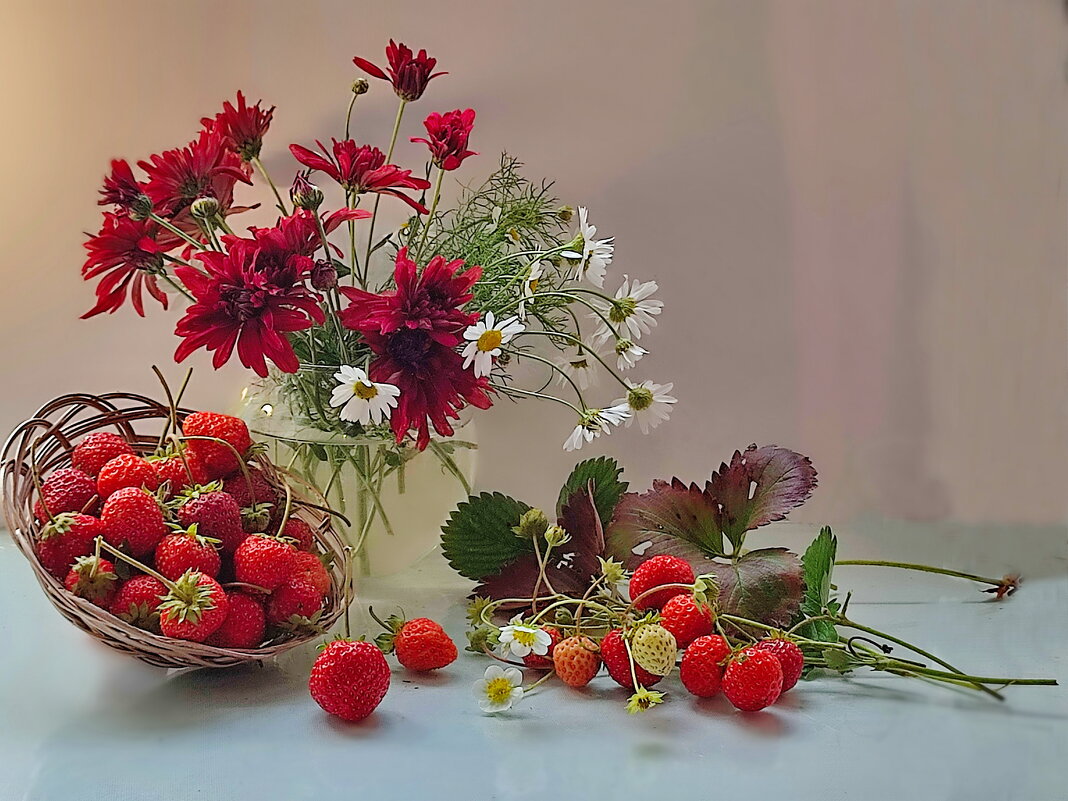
[
  {"x": 790, "y": 658},
  {"x": 187, "y": 550},
  {"x": 259, "y": 501},
  {"x": 686, "y": 619},
  {"x": 702, "y": 665},
  {"x": 194, "y": 609},
  {"x": 68, "y": 536},
  {"x": 753, "y": 680},
  {"x": 615, "y": 658},
  {"x": 94, "y": 579},
  {"x": 299, "y": 531},
  {"x": 97, "y": 449},
  {"x": 421, "y": 644},
  {"x": 263, "y": 561},
  {"x": 66, "y": 490},
  {"x": 532, "y": 660},
  {"x": 658, "y": 570},
  {"x": 137, "y": 602},
  {"x": 349, "y": 679},
  {"x": 124, "y": 471},
  {"x": 215, "y": 514},
  {"x": 310, "y": 567},
  {"x": 244, "y": 625},
  {"x": 296, "y": 598},
  {"x": 576, "y": 661},
  {"x": 219, "y": 460},
  {"x": 180, "y": 475},
  {"x": 133, "y": 516}
]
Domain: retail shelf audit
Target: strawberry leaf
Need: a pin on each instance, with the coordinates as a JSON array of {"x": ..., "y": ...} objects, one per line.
[
  {"x": 478, "y": 539},
  {"x": 763, "y": 585},
  {"x": 818, "y": 562},
  {"x": 667, "y": 511},
  {"x": 604, "y": 473}
]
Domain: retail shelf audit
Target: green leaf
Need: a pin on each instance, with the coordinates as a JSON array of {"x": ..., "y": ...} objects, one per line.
[
  {"x": 342, "y": 268},
  {"x": 838, "y": 660},
  {"x": 817, "y": 564},
  {"x": 478, "y": 540},
  {"x": 605, "y": 473}
]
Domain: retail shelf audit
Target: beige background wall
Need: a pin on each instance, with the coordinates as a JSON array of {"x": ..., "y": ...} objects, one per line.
[{"x": 855, "y": 209}]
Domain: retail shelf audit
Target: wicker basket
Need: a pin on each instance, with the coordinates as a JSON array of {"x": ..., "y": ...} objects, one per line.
[{"x": 44, "y": 443}]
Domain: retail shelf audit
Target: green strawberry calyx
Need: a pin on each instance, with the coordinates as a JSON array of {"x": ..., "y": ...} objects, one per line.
[{"x": 188, "y": 599}]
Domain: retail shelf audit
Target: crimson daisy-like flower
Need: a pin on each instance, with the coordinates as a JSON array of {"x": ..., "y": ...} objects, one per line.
[
  {"x": 205, "y": 167},
  {"x": 121, "y": 188},
  {"x": 127, "y": 252},
  {"x": 448, "y": 134},
  {"x": 413, "y": 332},
  {"x": 243, "y": 126},
  {"x": 285, "y": 250},
  {"x": 408, "y": 73},
  {"x": 361, "y": 168},
  {"x": 238, "y": 305}
]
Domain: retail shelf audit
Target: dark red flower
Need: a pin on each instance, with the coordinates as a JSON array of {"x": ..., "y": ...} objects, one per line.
[
  {"x": 413, "y": 332},
  {"x": 237, "y": 304},
  {"x": 299, "y": 233},
  {"x": 127, "y": 253},
  {"x": 243, "y": 126},
  {"x": 361, "y": 168},
  {"x": 122, "y": 189},
  {"x": 409, "y": 74},
  {"x": 448, "y": 134},
  {"x": 204, "y": 167}
]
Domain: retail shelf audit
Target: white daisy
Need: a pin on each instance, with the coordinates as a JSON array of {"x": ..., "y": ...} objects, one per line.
[
  {"x": 595, "y": 422},
  {"x": 580, "y": 368},
  {"x": 591, "y": 255},
  {"x": 521, "y": 640},
  {"x": 362, "y": 400},
  {"x": 628, "y": 354},
  {"x": 631, "y": 311},
  {"x": 499, "y": 688},
  {"x": 650, "y": 404},
  {"x": 530, "y": 286},
  {"x": 484, "y": 340}
]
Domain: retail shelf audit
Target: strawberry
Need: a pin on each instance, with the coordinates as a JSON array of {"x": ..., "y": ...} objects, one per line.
[
  {"x": 421, "y": 644},
  {"x": 68, "y": 536},
  {"x": 137, "y": 602},
  {"x": 180, "y": 475},
  {"x": 93, "y": 578},
  {"x": 615, "y": 658},
  {"x": 789, "y": 655},
  {"x": 296, "y": 603},
  {"x": 97, "y": 449},
  {"x": 686, "y": 619},
  {"x": 654, "y": 648},
  {"x": 576, "y": 661},
  {"x": 124, "y": 471},
  {"x": 215, "y": 514},
  {"x": 259, "y": 501},
  {"x": 187, "y": 550},
  {"x": 702, "y": 665},
  {"x": 244, "y": 625},
  {"x": 218, "y": 459},
  {"x": 66, "y": 490},
  {"x": 300, "y": 532},
  {"x": 309, "y": 567},
  {"x": 753, "y": 680},
  {"x": 133, "y": 516},
  {"x": 264, "y": 561},
  {"x": 654, "y": 572},
  {"x": 349, "y": 679},
  {"x": 194, "y": 609},
  {"x": 545, "y": 662}
]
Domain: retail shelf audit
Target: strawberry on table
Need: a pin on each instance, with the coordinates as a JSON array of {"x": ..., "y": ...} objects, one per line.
[
  {"x": 349, "y": 679},
  {"x": 702, "y": 665},
  {"x": 244, "y": 625},
  {"x": 654, "y": 648},
  {"x": 420, "y": 644},
  {"x": 219, "y": 460},
  {"x": 66, "y": 537},
  {"x": 93, "y": 578},
  {"x": 576, "y": 660},
  {"x": 686, "y": 619},
  {"x": 66, "y": 490},
  {"x": 194, "y": 608},
  {"x": 127, "y": 470},
  {"x": 657, "y": 571},
  {"x": 97, "y": 449},
  {"x": 789, "y": 655},
  {"x": 137, "y": 602},
  {"x": 752, "y": 680},
  {"x": 134, "y": 517},
  {"x": 616, "y": 660}
]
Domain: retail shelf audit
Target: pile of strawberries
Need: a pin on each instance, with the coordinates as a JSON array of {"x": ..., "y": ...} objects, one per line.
[{"x": 200, "y": 545}]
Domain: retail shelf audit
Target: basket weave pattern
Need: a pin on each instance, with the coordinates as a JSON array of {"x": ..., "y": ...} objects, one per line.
[{"x": 44, "y": 443}]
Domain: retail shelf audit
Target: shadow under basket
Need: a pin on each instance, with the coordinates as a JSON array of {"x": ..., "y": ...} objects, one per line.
[{"x": 44, "y": 443}]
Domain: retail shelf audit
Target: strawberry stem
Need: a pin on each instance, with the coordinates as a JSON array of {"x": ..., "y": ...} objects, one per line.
[
  {"x": 1004, "y": 581},
  {"x": 101, "y": 543}
]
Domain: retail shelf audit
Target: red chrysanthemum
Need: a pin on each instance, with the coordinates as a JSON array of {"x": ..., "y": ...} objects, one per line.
[
  {"x": 408, "y": 73},
  {"x": 127, "y": 253},
  {"x": 448, "y": 134},
  {"x": 121, "y": 188},
  {"x": 413, "y": 332},
  {"x": 361, "y": 168},
  {"x": 243, "y": 126},
  {"x": 205, "y": 167},
  {"x": 238, "y": 305}
]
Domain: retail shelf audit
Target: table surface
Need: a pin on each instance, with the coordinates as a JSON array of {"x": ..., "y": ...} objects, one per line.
[{"x": 80, "y": 721}]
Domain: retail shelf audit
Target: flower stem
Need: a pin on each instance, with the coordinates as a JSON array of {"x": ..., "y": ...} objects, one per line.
[
  {"x": 176, "y": 231},
  {"x": 267, "y": 176},
  {"x": 389, "y": 157},
  {"x": 433, "y": 208},
  {"x": 924, "y": 569}
]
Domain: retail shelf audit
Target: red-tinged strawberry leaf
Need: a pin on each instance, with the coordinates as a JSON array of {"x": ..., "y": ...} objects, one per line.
[
  {"x": 669, "y": 511},
  {"x": 602, "y": 477},
  {"x": 759, "y": 486},
  {"x": 763, "y": 585}
]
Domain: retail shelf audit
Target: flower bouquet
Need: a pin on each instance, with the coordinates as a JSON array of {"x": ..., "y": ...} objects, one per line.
[{"x": 371, "y": 342}]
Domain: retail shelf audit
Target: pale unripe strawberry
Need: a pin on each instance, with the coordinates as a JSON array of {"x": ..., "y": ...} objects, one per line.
[{"x": 654, "y": 648}]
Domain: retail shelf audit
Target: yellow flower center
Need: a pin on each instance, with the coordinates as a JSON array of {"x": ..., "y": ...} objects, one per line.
[
  {"x": 489, "y": 340},
  {"x": 498, "y": 690},
  {"x": 364, "y": 391},
  {"x": 533, "y": 284},
  {"x": 523, "y": 637}
]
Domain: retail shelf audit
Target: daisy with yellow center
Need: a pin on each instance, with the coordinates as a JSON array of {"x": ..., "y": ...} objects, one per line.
[
  {"x": 595, "y": 422},
  {"x": 521, "y": 640},
  {"x": 650, "y": 404},
  {"x": 362, "y": 400},
  {"x": 484, "y": 340},
  {"x": 498, "y": 689}
]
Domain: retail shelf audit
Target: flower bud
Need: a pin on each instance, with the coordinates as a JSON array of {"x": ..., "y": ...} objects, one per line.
[
  {"x": 323, "y": 275},
  {"x": 360, "y": 86},
  {"x": 556, "y": 535},
  {"x": 305, "y": 194},
  {"x": 140, "y": 207},
  {"x": 204, "y": 208},
  {"x": 565, "y": 213},
  {"x": 532, "y": 524}
]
